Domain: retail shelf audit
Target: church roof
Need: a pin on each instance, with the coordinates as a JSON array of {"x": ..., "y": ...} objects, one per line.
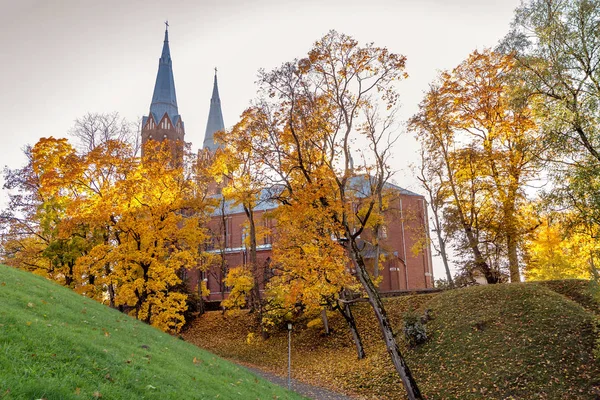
[
  {"x": 215, "y": 118},
  {"x": 164, "y": 99},
  {"x": 361, "y": 184}
]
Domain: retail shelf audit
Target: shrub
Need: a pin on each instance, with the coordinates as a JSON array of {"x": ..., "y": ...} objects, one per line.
[{"x": 414, "y": 330}]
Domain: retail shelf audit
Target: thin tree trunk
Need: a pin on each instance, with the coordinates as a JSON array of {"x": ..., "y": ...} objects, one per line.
[
  {"x": 412, "y": 390},
  {"x": 255, "y": 300},
  {"x": 442, "y": 243},
  {"x": 255, "y": 296},
  {"x": 434, "y": 201},
  {"x": 480, "y": 262},
  {"x": 513, "y": 258},
  {"x": 346, "y": 311},
  {"x": 445, "y": 260},
  {"x": 325, "y": 321},
  {"x": 593, "y": 269},
  {"x": 111, "y": 288}
]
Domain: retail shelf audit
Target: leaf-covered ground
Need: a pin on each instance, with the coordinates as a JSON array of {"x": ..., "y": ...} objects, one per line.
[
  {"x": 519, "y": 341},
  {"x": 55, "y": 344}
]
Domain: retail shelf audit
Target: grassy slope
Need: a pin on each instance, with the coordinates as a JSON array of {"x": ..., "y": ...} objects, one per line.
[
  {"x": 496, "y": 342},
  {"x": 55, "y": 344}
]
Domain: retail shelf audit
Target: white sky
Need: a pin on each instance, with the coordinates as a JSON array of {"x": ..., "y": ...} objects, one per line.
[{"x": 62, "y": 59}]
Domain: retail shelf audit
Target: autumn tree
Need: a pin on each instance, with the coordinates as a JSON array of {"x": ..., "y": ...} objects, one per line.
[
  {"x": 313, "y": 109},
  {"x": 241, "y": 177},
  {"x": 241, "y": 165},
  {"x": 38, "y": 227},
  {"x": 157, "y": 215},
  {"x": 25, "y": 238},
  {"x": 557, "y": 48},
  {"x": 562, "y": 248},
  {"x": 431, "y": 178},
  {"x": 109, "y": 226},
  {"x": 487, "y": 145}
]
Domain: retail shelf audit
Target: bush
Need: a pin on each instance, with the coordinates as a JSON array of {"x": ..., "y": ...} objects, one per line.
[{"x": 414, "y": 330}]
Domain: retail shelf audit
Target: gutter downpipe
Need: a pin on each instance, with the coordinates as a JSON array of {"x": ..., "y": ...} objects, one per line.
[
  {"x": 404, "y": 243},
  {"x": 428, "y": 258}
]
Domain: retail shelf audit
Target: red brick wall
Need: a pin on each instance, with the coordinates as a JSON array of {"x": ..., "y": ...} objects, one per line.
[{"x": 408, "y": 262}]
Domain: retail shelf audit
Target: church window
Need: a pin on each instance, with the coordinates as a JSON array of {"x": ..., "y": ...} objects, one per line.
[{"x": 268, "y": 229}]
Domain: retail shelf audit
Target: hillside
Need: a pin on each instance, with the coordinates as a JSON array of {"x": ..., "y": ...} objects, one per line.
[
  {"x": 518, "y": 341},
  {"x": 55, "y": 344}
]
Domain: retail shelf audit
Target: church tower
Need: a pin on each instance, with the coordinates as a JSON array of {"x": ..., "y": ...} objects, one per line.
[
  {"x": 215, "y": 119},
  {"x": 163, "y": 121}
]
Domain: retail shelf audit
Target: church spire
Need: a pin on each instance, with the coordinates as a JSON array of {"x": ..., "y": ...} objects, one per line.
[
  {"x": 164, "y": 122},
  {"x": 215, "y": 118},
  {"x": 164, "y": 99}
]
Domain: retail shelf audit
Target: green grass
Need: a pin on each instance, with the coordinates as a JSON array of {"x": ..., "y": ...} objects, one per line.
[
  {"x": 516, "y": 341},
  {"x": 578, "y": 290},
  {"x": 55, "y": 344}
]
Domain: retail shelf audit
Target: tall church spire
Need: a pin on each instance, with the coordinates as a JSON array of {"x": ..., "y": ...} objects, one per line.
[
  {"x": 164, "y": 122},
  {"x": 215, "y": 118},
  {"x": 164, "y": 99}
]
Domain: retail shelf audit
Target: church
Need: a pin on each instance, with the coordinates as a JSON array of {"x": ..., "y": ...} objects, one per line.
[{"x": 407, "y": 265}]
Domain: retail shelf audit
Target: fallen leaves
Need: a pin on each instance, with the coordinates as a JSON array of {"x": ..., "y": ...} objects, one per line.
[{"x": 488, "y": 342}]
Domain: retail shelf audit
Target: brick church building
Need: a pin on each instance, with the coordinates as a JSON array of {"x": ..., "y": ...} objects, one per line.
[{"x": 406, "y": 221}]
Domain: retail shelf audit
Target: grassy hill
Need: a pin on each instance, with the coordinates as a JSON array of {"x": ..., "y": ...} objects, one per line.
[
  {"x": 517, "y": 341},
  {"x": 55, "y": 344}
]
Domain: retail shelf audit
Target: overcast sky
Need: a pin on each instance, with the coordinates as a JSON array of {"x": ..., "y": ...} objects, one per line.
[{"x": 62, "y": 59}]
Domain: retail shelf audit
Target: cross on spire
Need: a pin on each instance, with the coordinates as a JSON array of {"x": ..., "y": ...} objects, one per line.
[
  {"x": 167, "y": 25},
  {"x": 215, "y": 71}
]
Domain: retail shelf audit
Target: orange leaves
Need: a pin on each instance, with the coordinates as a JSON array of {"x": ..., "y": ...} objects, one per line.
[
  {"x": 56, "y": 164},
  {"x": 120, "y": 229},
  {"x": 482, "y": 147}
]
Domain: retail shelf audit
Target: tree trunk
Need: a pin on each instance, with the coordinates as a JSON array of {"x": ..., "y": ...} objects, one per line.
[
  {"x": 412, "y": 390},
  {"x": 346, "y": 311},
  {"x": 325, "y": 320},
  {"x": 255, "y": 300},
  {"x": 513, "y": 258},
  {"x": 442, "y": 243},
  {"x": 111, "y": 288},
  {"x": 593, "y": 269},
  {"x": 490, "y": 276}
]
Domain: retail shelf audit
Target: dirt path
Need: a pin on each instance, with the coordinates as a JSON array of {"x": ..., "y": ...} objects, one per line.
[{"x": 310, "y": 391}]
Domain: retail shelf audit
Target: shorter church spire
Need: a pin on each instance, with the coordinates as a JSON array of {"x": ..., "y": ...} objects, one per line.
[{"x": 215, "y": 118}]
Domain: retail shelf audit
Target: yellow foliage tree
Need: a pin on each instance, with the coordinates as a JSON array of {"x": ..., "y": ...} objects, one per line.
[
  {"x": 311, "y": 115},
  {"x": 241, "y": 280},
  {"x": 117, "y": 229},
  {"x": 554, "y": 252},
  {"x": 485, "y": 144}
]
